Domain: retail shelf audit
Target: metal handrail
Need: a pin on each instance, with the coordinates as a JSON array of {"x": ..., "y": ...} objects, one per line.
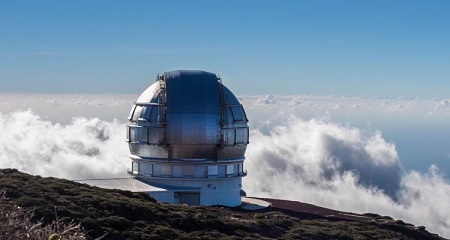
[{"x": 243, "y": 174}]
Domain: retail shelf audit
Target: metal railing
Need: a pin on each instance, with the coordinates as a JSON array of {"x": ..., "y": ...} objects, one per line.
[{"x": 165, "y": 176}]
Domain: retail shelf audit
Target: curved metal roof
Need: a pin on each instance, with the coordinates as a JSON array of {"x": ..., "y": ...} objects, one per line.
[{"x": 188, "y": 115}]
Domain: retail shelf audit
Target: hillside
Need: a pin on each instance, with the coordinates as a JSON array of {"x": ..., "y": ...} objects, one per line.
[{"x": 127, "y": 215}]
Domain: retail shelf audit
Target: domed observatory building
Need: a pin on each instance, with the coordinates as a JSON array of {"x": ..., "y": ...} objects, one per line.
[{"x": 187, "y": 136}]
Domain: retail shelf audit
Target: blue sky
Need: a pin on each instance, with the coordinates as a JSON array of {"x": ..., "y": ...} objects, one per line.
[{"x": 370, "y": 48}]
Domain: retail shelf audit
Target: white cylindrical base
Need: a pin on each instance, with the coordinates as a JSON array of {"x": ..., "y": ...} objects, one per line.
[{"x": 214, "y": 191}]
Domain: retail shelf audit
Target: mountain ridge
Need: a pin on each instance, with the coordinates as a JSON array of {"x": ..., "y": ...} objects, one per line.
[{"x": 127, "y": 215}]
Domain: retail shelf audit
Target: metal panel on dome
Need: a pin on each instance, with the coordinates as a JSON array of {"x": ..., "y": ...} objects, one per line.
[
  {"x": 229, "y": 97},
  {"x": 193, "y": 113},
  {"x": 188, "y": 93},
  {"x": 193, "y": 128}
]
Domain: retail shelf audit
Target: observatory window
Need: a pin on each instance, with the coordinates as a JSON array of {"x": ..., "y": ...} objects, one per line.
[
  {"x": 222, "y": 169},
  {"x": 200, "y": 171},
  {"x": 128, "y": 134},
  {"x": 154, "y": 113},
  {"x": 134, "y": 149},
  {"x": 155, "y": 135},
  {"x": 146, "y": 169},
  {"x": 188, "y": 171},
  {"x": 238, "y": 114},
  {"x": 212, "y": 171},
  {"x": 177, "y": 171},
  {"x": 241, "y": 135},
  {"x": 241, "y": 168},
  {"x": 166, "y": 170},
  {"x": 228, "y": 136},
  {"x": 131, "y": 112},
  {"x": 156, "y": 170},
  {"x": 145, "y": 113},
  {"x": 133, "y": 134},
  {"x": 137, "y": 113},
  {"x": 138, "y": 134},
  {"x": 230, "y": 169},
  {"x": 142, "y": 135},
  {"x": 229, "y": 115},
  {"x": 161, "y": 170}
]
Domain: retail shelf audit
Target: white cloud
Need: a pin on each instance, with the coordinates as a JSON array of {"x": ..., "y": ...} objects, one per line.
[
  {"x": 335, "y": 166},
  {"x": 337, "y": 103},
  {"x": 85, "y": 148},
  {"x": 444, "y": 103},
  {"x": 440, "y": 106},
  {"x": 267, "y": 100}
]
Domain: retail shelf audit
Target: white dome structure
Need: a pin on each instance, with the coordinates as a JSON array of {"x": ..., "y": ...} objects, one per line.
[{"x": 187, "y": 134}]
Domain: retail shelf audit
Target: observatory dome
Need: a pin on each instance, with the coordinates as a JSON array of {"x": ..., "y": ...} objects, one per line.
[
  {"x": 188, "y": 116},
  {"x": 187, "y": 135}
]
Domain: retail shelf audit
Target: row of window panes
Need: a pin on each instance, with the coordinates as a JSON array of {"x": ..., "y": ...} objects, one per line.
[
  {"x": 189, "y": 171},
  {"x": 155, "y": 135},
  {"x": 150, "y": 113},
  {"x": 234, "y": 136},
  {"x": 148, "y": 135}
]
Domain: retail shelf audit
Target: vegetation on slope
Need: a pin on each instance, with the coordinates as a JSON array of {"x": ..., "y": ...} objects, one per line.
[
  {"x": 126, "y": 215},
  {"x": 16, "y": 223}
]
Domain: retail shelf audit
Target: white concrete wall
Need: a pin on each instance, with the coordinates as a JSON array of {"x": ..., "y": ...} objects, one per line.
[
  {"x": 213, "y": 191},
  {"x": 167, "y": 196},
  {"x": 225, "y": 198}
]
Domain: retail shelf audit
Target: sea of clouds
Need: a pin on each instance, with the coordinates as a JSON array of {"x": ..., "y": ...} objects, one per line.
[
  {"x": 315, "y": 159},
  {"x": 339, "y": 167},
  {"x": 84, "y": 148}
]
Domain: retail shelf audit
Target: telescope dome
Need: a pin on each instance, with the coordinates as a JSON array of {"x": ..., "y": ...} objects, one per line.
[{"x": 187, "y": 115}]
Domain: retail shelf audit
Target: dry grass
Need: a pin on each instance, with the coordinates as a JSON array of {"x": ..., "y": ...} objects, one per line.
[{"x": 16, "y": 223}]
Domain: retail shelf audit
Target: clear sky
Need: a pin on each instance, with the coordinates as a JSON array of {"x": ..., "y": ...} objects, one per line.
[{"x": 370, "y": 48}]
